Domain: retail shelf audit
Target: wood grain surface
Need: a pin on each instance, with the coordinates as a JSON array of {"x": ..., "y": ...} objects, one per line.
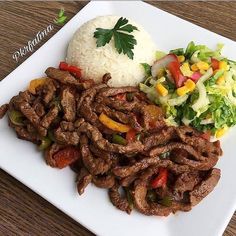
[{"x": 22, "y": 212}]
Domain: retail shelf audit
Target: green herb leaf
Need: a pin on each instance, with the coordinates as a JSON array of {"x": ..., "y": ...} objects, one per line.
[
  {"x": 124, "y": 43},
  {"x": 61, "y": 18},
  {"x": 103, "y": 36},
  {"x": 61, "y": 12},
  {"x": 178, "y": 51},
  {"x": 147, "y": 69}
]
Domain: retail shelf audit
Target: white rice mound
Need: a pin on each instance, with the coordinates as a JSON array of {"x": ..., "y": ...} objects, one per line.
[{"x": 95, "y": 62}]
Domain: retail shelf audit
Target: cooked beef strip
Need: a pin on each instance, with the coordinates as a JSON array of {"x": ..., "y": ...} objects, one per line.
[
  {"x": 68, "y": 104},
  {"x": 86, "y": 110},
  {"x": 176, "y": 145},
  {"x": 23, "y": 133},
  {"x": 124, "y": 171},
  {"x": 107, "y": 181},
  {"x": 78, "y": 122},
  {"x": 106, "y": 156},
  {"x": 190, "y": 160},
  {"x": 3, "y": 110},
  {"x": 49, "y": 117},
  {"x": 31, "y": 129},
  {"x": 48, "y": 91},
  {"x": 39, "y": 108},
  {"x": 205, "y": 187},
  {"x": 24, "y": 106},
  {"x": 65, "y": 77},
  {"x": 67, "y": 126},
  {"x": 117, "y": 200},
  {"x": 192, "y": 137},
  {"x": 49, "y": 153},
  {"x": 106, "y": 77},
  {"x": 140, "y": 192},
  {"x": 197, "y": 165},
  {"x": 120, "y": 105},
  {"x": 84, "y": 178},
  {"x": 89, "y": 93},
  {"x": 66, "y": 137},
  {"x": 187, "y": 181},
  {"x": 117, "y": 115},
  {"x": 108, "y": 92},
  {"x": 97, "y": 138},
  {"x": 133, "y": 121},
  {"x": 160, "y": 138},
  {"x": 94, "y": 165},
  {"x": 126, "y": 181}
]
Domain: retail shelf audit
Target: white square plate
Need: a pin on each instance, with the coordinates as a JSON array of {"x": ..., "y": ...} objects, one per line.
[{"x": 93, "y": 209}]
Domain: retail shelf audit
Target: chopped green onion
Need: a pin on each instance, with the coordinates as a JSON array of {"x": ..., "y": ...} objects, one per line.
[
  {"x": 164, "y": 155},
  {"x": 129, "y": 198},
  {"x": 118, "y": 139},
  {"x": 16, "y": 117},
  {"x": 151, "y": 196},
  {"x": 51, "y": 135},
  {"x": 45, "y": 143},
  {"x": 166, "y": 201},
  {"x": 130, "y": 97},
  {"x": 138, "y": 137}
]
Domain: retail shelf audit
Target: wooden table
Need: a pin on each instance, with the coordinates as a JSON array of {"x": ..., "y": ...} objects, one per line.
[{"x": 22, "y": 212}]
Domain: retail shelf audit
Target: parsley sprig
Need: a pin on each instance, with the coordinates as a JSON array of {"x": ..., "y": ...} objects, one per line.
[{"x": 124, "y": 42}]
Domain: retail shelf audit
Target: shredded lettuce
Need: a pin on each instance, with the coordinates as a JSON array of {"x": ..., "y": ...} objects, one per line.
[
  {"x": 160, "y": 54},
  {"x": 202, "y": 99},
  {"x": 211, "y": 105}
]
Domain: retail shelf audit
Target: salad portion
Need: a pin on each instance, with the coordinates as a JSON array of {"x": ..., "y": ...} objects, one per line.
[{"x": 195, "y": 87}]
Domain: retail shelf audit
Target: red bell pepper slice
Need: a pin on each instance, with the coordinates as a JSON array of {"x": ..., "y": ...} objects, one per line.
[
  {"x": 206, "y": 135},
  {"x": 63, "y": 66},
  {"x": 161, "y": 179},
  {"x": 214, "y": 64},
  {"x": 121, "y": 97},
  {"x": 72, "y": 69},
  {"x": 131, "y": 135},
  {"x": 174, "y": 68},
  {"x": 66, "y": 157}
]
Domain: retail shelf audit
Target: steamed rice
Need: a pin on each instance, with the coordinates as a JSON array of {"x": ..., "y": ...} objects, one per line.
[{"x": 95, "y": 62}]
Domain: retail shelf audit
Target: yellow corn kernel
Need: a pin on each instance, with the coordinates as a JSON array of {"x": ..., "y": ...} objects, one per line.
[
  {"x": 182, "y": 90},
  {"x": 190, "y": 85},
  {"x": 185, "y": 69},
  {"x": 220, "y": 132},
  {"x": 203, "y": 65},
  {"x": 223, "y": 65},
  {"x": 194, "y": 67},
  {"x": 181, "y": 58},
  {"x": 202, "y": 72},
  {"x": 161, "y": 90},
  {"x": 220, "y": 80}
]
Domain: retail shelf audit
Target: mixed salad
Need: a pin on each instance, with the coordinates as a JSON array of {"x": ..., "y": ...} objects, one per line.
[{"x": 195, "y": 86}]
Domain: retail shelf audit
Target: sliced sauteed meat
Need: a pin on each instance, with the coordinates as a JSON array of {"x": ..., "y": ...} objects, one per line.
[{"x": 116, "y": 139}]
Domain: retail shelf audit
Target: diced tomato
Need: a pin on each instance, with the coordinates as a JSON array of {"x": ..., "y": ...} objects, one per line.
[
  {"x": 174, "y": 68},
  {"x": 121, "y": 97},
  {"x": 206, "y": 135},
  {"x": 214, "y": 64},
  {"x": 66, "y": 157},
  {"x": 161, "y": 179},
  {"x": 131, "y": 135},
  {"x": 196, "y": 76},
  {"x": 63, "y": 66}
]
